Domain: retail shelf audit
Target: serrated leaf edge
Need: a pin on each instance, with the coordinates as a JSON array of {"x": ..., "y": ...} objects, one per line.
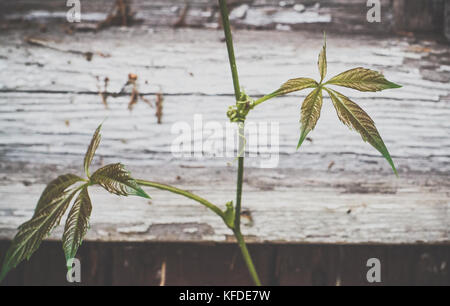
[
  {"x": 307, "y": 128},
  {"x": 335, "y": 97},
  {"x": 357, "y": 84},
  {"x": 80, "y": 212},
  {"x": 64, "y": 203},
  {"x": 99, "y": 178}
]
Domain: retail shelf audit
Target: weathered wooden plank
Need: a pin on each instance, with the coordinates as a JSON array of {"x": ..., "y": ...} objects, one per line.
[
  {"x": 198, "y": 58},
  {"x": 422, "y": 16},
  {"x": 51, "y": 128},
  {"x": 330, "y": 15},
  {"x": 48, "y": 122},
  {"x": 295, "y": 206},
  {"x": 419, "y": 143}
]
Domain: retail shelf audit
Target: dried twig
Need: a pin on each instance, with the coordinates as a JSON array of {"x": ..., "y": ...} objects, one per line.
[
  {"x": 159, "y": 106},
  {"x": 181, "y": 21},
  {"x": 132, "y": 78},
  {"x": 104, "y": 93},
  {"x": 120, "y": 15},
  {"x": 135, "y": 96},
  {"x": 46, "y": 44}
]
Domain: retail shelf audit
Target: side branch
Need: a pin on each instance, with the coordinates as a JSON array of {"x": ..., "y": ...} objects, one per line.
[{"x": 184, "y": 193}]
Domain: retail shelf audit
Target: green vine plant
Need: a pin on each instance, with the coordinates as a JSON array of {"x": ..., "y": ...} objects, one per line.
[{"x": 114, "y": 178}]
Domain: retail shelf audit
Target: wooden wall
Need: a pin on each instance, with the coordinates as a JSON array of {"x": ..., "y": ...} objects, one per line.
[{"x": 113, "y": 263}]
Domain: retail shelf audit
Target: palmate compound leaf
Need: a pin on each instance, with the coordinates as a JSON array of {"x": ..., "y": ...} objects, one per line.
[
  {"x": 356, "y": 118},
  {"x": 117, "y": 180},
  {"x": 91, "y": 149},
  {"x": 310, "y": 113},
  {"x": 296, "y": 85},
  {"x": 351, "y": 114},
  {"x": 77, "y": 225},
  {"x": 363, "y": 80},
  {"x": 52, "y": 205}
]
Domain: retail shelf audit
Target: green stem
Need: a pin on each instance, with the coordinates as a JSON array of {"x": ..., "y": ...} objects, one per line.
[
  {"x": 185, "y": 193},
  {"x": 247, "y": 258},
  {"x": 265, "y": 98},
  {"x": 240, "y": 177},
  {"x": 229, "y": 40}
]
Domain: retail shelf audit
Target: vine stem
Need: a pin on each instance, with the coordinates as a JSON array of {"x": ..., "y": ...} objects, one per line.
[
  {"x": 184, "y": 193},
  {"x": 240, "y": 177},
  {"x": 230, "y": 48},
  {"x": 265, "y": 98},
  {"x": 247, "y": 258}
]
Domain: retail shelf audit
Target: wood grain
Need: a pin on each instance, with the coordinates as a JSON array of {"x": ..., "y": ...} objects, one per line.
[{"x": 336, "y": 190}]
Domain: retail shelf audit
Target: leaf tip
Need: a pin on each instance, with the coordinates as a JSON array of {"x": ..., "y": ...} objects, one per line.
[
  {"x": 2, "y": 276},
  {"x": 69, "y": 262},
  {"x": 395, "y": 170},
  {"x": 394, "y": 85},
  {"x": 4, "y": 271},
  {"x": 391, "y": 162},
  {"x": 140, "y": 192},
  {"x": 143, "y": 194},
  {"x": 302, "y": 139}
]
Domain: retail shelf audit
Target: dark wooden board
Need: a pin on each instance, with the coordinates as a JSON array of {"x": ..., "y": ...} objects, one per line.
[{"x": 203, "y": 265}]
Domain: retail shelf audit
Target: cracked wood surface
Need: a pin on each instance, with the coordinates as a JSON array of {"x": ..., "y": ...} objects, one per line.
[
  {"x": 286, "y": 206},
  {"x": 336, "y": 189}
]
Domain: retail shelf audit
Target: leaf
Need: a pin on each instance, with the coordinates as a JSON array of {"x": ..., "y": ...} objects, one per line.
[
  {"x": 323, "y": 60},
  {"x": 356, "y": 118},
  {"x": 54, "y": 190},
  {"x": 310, "y": 113},
  {"x": 77, "y": 224},
  {"x": 91, "y": 149},
  {"x": 363, "y": 80},
  {"x": 117, "y": 180},
  {"x": 31, "y": 233},
  {"x": 296, "y": 85}
]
